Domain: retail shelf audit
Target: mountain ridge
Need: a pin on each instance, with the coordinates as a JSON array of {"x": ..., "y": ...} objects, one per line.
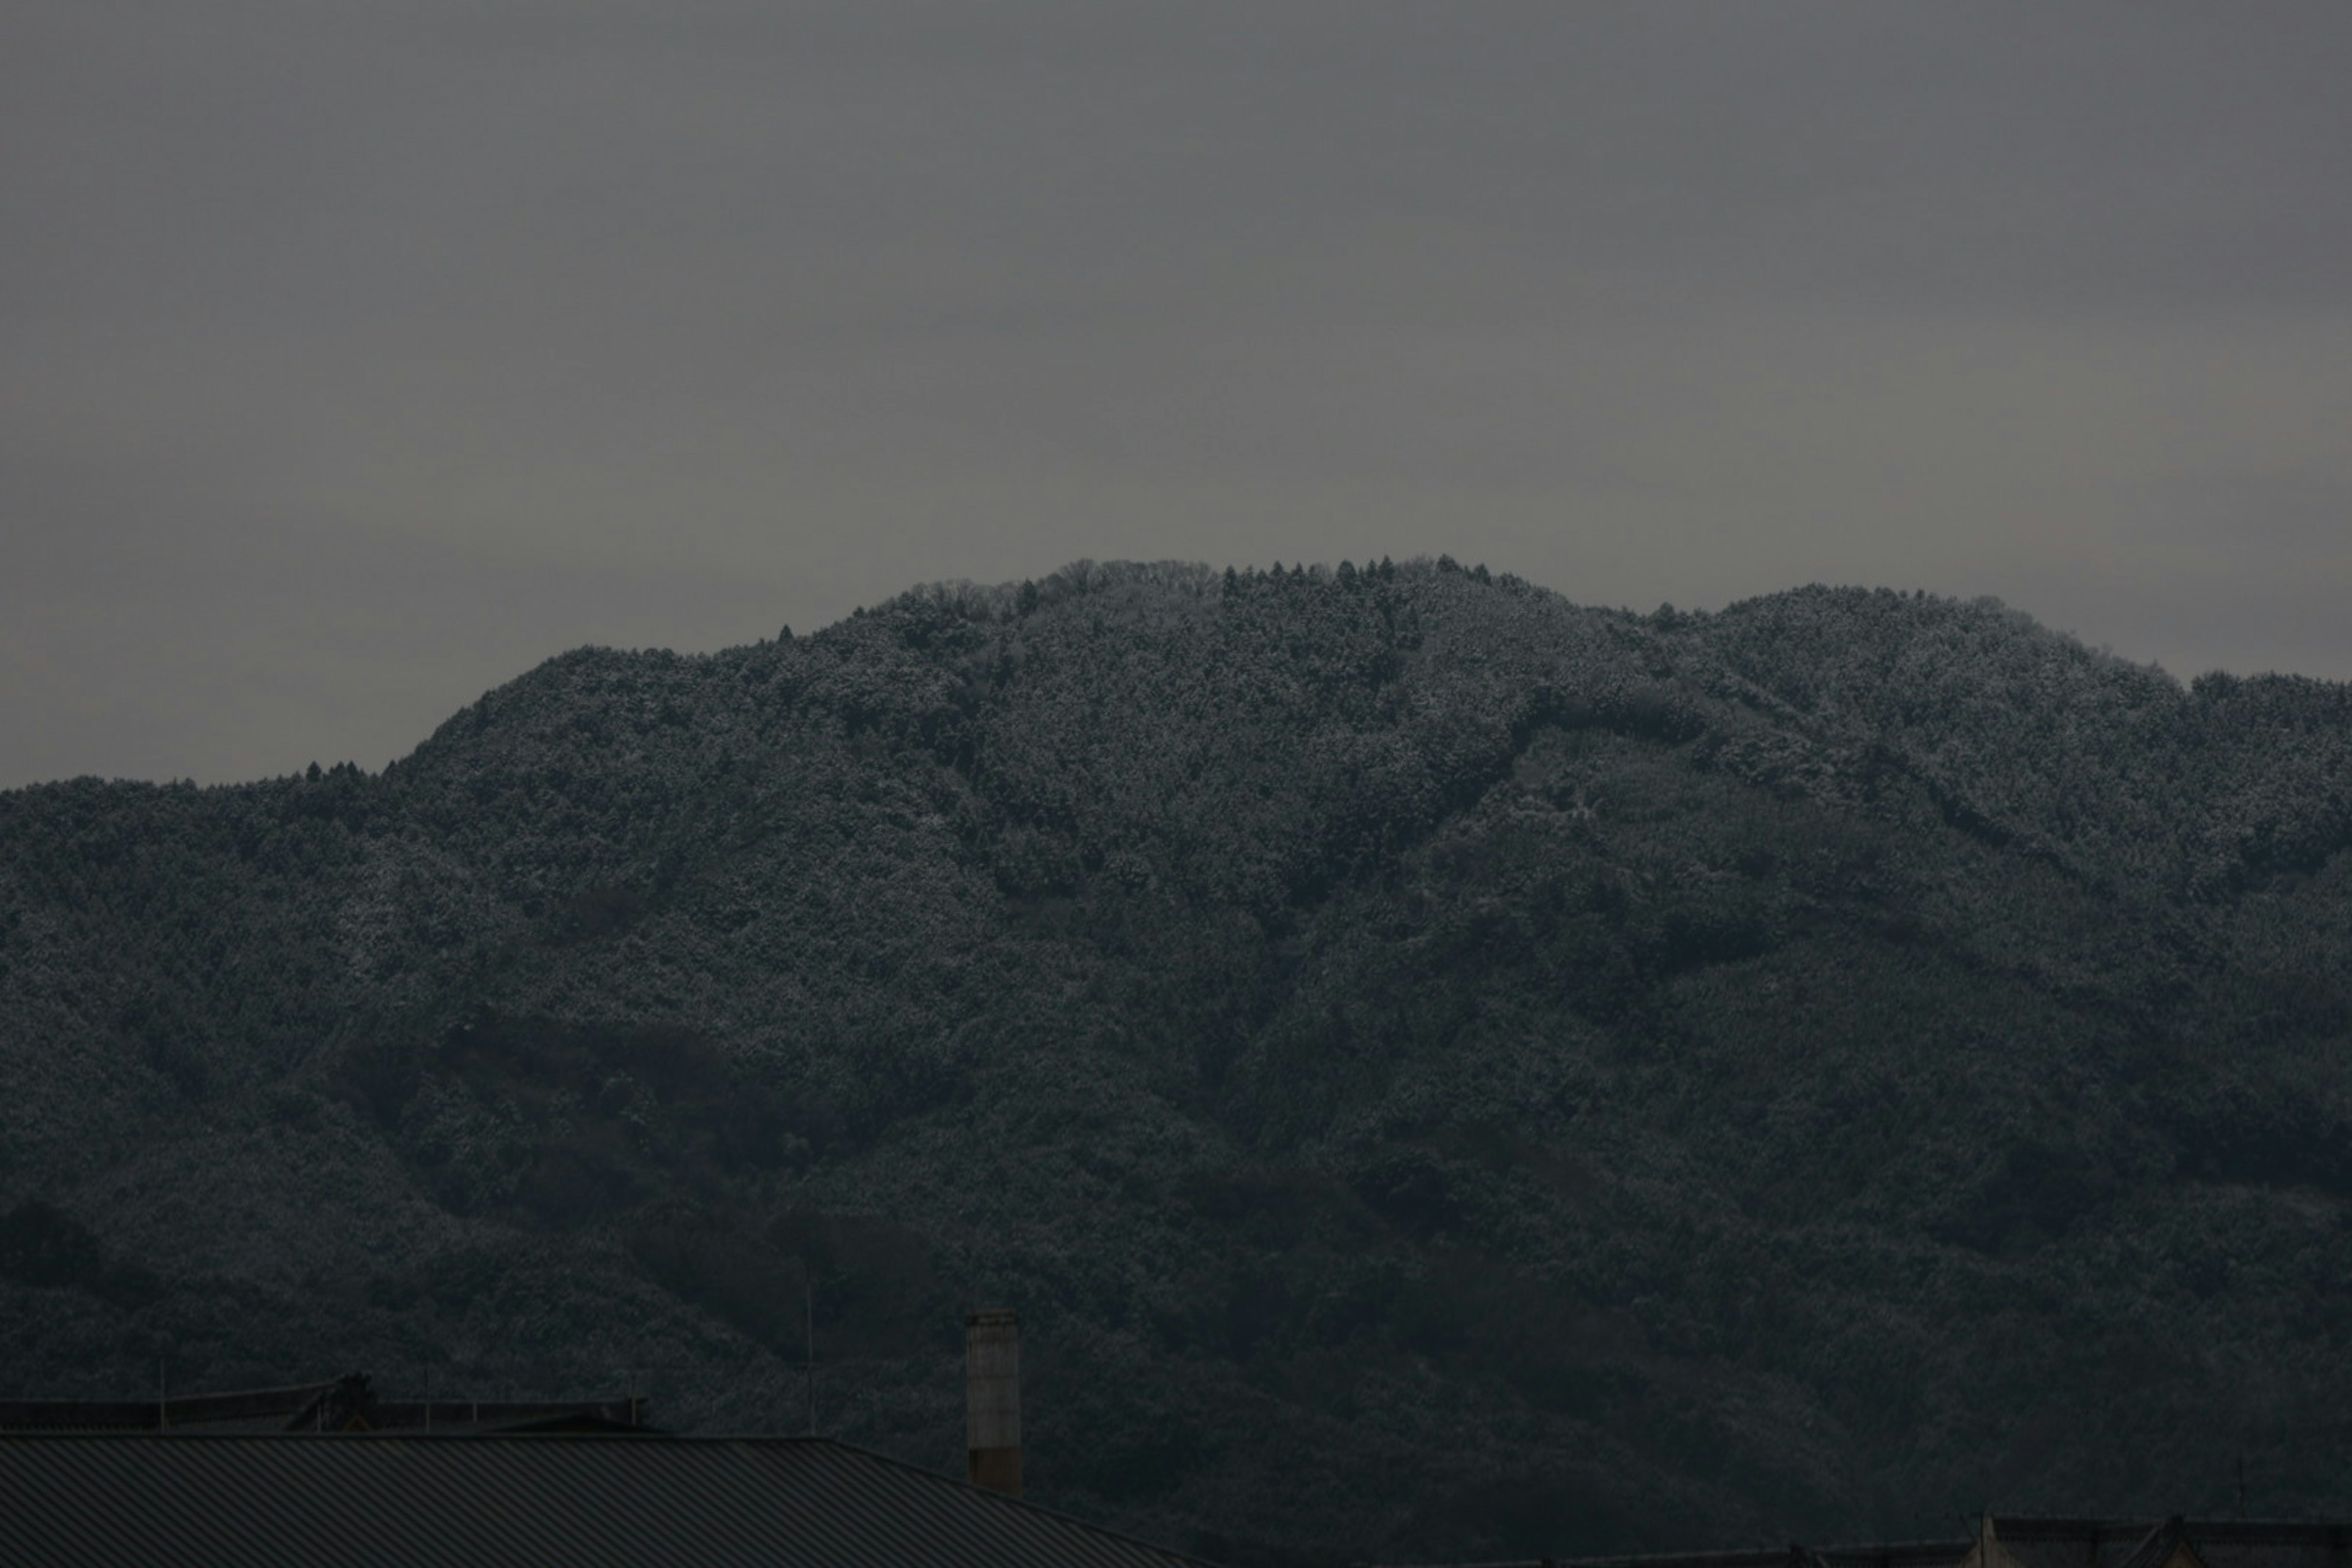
[{"x": 1442, "y": 1070}]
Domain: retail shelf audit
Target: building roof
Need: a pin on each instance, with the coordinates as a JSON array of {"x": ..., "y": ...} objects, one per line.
[
  {"x": 347, "y": 1404},
  {"x": 2167, "y": 1546},
  {"x": 483, "y": 1501},
  {"x": 2040, "y": 1542}
]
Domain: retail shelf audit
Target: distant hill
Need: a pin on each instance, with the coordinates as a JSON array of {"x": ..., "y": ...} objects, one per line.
[{"x": 1440, "y": 1070}]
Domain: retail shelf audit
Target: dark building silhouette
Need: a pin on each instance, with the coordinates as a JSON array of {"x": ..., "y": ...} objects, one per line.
[
  {"x": 329, "y": 1472},
  {"x": 2018, "y": 1541}
]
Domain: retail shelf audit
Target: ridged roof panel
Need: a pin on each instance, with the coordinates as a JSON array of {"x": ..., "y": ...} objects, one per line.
[{"x": 407, "y": 1502}]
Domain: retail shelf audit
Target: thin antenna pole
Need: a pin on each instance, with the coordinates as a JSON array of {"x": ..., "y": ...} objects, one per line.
[
  {"x": 162, "y": 1393},
  {"x": 808, "y": 1303}
]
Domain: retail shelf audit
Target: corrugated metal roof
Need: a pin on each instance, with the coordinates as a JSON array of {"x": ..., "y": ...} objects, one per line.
[{"x": 407, "y": 1502}]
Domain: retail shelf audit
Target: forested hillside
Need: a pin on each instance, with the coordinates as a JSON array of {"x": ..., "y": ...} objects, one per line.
[{"x": 1441, "y": 1071}]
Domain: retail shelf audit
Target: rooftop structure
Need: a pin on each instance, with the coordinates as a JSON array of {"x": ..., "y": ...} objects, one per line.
[
  {"x": 2025, "y": 1542},
  {"x": 348, "y": 1403}
]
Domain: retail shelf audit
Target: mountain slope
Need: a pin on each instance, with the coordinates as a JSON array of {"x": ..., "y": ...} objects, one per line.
[{"x": 1442, "y": 1072}]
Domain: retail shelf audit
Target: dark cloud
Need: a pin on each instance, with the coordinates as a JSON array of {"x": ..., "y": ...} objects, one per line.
[{"x": 354, "y": 357}]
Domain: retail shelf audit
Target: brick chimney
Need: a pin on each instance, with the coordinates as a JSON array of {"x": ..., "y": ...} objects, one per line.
[{"x": 992, "y": 1376}]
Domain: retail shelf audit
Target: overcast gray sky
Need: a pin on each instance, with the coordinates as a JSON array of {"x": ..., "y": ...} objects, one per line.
[{"x": 354, "y": 357}]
